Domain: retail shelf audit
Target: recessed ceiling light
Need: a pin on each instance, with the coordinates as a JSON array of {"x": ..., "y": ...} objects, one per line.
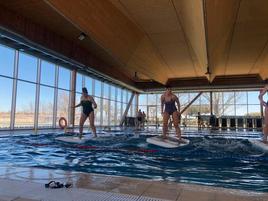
[{"x": 82, "y": 36}]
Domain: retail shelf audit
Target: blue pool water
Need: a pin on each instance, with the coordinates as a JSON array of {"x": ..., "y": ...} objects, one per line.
[{"x": 225, "y": 159}]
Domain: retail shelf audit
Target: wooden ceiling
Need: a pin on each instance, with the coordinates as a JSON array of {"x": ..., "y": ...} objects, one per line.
[{"x": 177, "y": 42}]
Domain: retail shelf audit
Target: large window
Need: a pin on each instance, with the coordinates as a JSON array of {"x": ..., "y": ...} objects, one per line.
[
  {"x": 45, "y": 116},
  {"x": 79, "y": 82},
  {"x": 253, "y": 104},
  {"x": 41, "y": 91},
  {"x": 5, "y": 101},
  {"x": 113, "y": 113},
  {"x": 88, "y": 85},
  {"x": 105, "y": 112},
  {"x": 235, "y": 103},
  {"x": 27, "y": 67},
  {"x": 97, "y": 111},
  {"x": 7, "y": 58},
  {"x": 25, "y": 106},
  {"x": 47, "y": 73},
  {"x": 98, "y": 88},
  {"x": 64, "y": 78},
  {"x": 63, "y": 104}
]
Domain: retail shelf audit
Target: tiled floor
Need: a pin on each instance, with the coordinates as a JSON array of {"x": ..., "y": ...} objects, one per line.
[{"x": 27, "y": 184}]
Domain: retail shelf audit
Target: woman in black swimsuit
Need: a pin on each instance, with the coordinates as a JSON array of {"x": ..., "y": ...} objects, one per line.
[
  {"x": 86, "y": 102},
  {"x": 265, "y": 105},
  {"x": 168, "y": 100}
]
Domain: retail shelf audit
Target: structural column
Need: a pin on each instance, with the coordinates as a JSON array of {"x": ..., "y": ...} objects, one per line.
[
  {"x": 109, "y": 106},
  {"x": 72, "y": 98},
  {"x": 137, "y": 105},
  {"x": 127, "y": 108},
  {"x": 211, "y": 103},
  {"x": 37, "y": 94},
  {"x": 101, "y": 104},
  {"x": 14, "y": 90},
  {"x": 115, "y": 107},
  {"x": 55, "y": 105}
]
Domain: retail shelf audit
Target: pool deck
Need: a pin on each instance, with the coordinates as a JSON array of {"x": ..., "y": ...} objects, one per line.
[{"x": 27, "y": 184}]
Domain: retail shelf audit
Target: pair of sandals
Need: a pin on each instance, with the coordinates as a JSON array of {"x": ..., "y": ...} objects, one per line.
[{"x": 55, "y": 184}]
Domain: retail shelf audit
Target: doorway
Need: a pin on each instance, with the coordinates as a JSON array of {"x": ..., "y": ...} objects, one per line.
[{"x": 151, "y": 115}]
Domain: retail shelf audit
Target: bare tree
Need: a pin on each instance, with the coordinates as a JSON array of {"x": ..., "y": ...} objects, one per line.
[{"x": 221, "y": 102}]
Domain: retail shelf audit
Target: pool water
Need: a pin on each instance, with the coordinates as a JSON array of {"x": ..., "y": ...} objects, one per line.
[{"x": 224, "y": 159}]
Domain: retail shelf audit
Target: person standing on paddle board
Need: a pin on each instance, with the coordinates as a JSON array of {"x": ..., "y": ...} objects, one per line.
[
  {"x": 87, "y": 102},
  {"x": 265, "y": 104},
  {"x": 168, "y": 108}
]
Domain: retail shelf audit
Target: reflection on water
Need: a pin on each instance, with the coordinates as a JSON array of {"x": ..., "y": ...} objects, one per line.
[{"x": 216, "y": 159}]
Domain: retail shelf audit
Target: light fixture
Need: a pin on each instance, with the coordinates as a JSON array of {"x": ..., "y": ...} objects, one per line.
[
  {"x": 136, "y": 75},
  {"x": 208, "y": 71},
  {"x": 82, "y": 36}
]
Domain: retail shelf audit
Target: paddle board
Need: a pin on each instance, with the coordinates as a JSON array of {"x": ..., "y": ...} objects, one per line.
[
  {"x": 170, "y": 142},
  {"x": 259, "y": 144},
  {"x": 84, "y": 139},
  {"x": 74, "y": 139}
]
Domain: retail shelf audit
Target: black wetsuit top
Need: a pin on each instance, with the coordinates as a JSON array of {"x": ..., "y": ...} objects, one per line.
[
  {"x": 170, "y": 107},
  {"x": 87, "y": 107}
]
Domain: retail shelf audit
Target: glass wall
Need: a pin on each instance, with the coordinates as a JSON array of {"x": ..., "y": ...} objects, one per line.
[
  {"x": 36, "y": 93},
  {"x": 236, "y": 103},
  {"x": 7, "y": 58},
  {"x": 26, "y": 89},
  {"x": 111, "y": 102},
  {"x": 5, "y": 103},
  {"x": 25, "y": 105},
  {"x": 47, "y": 91}
]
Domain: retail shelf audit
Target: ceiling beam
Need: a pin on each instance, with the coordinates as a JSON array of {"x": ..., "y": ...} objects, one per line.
[{"x": 219, "y": 82}]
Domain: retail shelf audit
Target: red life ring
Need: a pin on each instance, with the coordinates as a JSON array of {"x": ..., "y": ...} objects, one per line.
[{"x": 62, "y": 123}]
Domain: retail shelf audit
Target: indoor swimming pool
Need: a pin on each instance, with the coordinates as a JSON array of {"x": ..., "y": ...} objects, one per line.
[{"x": 221, "y": 158}]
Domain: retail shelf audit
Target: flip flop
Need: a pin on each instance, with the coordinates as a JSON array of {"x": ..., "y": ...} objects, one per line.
[
  {"x": 54, "y": 184},
  {"x": 68, "y": 185}
]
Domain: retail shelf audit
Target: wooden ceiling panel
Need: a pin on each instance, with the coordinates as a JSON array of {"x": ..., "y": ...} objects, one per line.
[
  {"x": 41, "y": 13},
  {"x": 160, "y": 22},
  {"x": 161, "y": 40},
  {"x": 114, "y": 32},
  {"x": 154, "y": 16},
  {"x": 151, "y": 65},
  {"x": 191, "y": 16},
  {"x": 220, "y": 22},
  {"x": 250, "y": 37},
  {"x": 104, "y": 23},
  {"x": 172, "y": 48}
]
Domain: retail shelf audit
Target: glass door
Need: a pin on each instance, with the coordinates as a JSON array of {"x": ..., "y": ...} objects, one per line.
[{"x": 151, "y": 115}]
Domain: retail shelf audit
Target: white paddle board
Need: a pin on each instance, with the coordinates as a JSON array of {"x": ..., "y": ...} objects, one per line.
[
  {"x": 170, "y": 142},
  {"x": 74, "y": 139},
  {"x": 84, "y": 139},
  {"x": 259, "y": 144}
]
